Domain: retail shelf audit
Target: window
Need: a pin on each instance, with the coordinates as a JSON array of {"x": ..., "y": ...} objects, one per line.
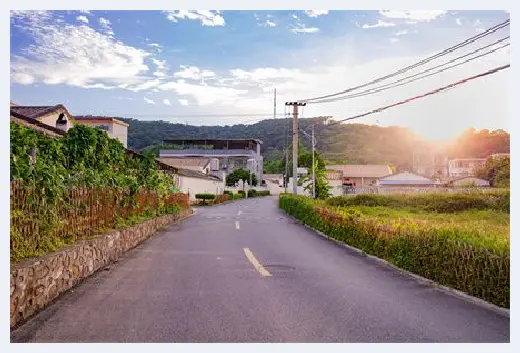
[{"x": 102, "y": 127}]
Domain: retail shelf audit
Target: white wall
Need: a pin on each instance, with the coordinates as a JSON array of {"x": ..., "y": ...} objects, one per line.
[
  {"x": 120, "y": 132},
  {"x": 200, "y": 186}
]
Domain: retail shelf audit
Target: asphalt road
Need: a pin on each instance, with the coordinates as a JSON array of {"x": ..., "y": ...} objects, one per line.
[{"x": 194, "y": 282}]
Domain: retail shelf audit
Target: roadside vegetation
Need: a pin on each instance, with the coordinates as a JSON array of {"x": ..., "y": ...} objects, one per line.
[
  {"x": 458, "y": 240},
  {"x": 77, "y": 186}
]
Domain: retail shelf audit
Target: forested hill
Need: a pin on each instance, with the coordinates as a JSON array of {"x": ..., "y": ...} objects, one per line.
[{"x": 345, "y": 143}]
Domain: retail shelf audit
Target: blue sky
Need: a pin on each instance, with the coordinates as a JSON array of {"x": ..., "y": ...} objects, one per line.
[{"x": 186, "y": 65}]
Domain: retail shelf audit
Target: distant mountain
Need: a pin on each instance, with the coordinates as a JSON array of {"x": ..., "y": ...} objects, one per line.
[{"x": 344, "y": 143}]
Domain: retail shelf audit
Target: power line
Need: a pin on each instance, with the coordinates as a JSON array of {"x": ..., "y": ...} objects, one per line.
[
  {"x": 231, "y": 115},
  {"x": 438, "y": 90},
  {"x": 418, "y": 77},
  {"x": 422, "y": 62}
]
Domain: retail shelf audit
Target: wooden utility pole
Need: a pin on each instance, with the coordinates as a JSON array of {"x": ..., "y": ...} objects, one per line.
[{"x": 295, "y": 106}]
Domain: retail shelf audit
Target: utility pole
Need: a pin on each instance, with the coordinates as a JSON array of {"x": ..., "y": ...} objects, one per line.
[{"x": 295, "y": 106}]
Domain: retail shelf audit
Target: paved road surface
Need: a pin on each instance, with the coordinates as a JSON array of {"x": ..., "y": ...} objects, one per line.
[{"x": 194, "y": 282}]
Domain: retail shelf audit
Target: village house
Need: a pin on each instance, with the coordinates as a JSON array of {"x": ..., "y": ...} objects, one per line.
[
  {"x": 460, "y": 167},
  {"x": 342, "y": 176},
  {"x": 115, "y": 128}
]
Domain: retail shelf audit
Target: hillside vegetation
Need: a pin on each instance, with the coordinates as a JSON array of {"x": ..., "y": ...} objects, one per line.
[{"x": 346, "y": 143}]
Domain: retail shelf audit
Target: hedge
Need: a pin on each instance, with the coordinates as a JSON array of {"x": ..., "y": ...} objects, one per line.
[
  {"x": 442, "y": 203},
  {"x": 441, "y": 254},
  {"x": 204, "y": 197},
  {"x": 255, "y": 193}
]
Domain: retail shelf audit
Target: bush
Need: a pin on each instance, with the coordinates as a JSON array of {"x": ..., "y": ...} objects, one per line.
[
  {"x": 204, "y": 197},
  {"x": 238, "y": 196},
  {"x": 443, "y": 253},
  {"x": 251, "y": 193},
  {"x": 242, "y": 192},
  {"x": 263, "y": 193},
  {"x": 442, "y": 203},
  {"x": 228, "y": 192}
]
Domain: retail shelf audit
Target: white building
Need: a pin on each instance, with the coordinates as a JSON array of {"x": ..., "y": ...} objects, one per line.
[
  {"x": 460, "y": 167},
  {"x": 115, "y": 128}
]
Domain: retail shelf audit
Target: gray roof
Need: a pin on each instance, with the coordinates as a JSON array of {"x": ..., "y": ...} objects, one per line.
[{"x": 361, "y": 170}]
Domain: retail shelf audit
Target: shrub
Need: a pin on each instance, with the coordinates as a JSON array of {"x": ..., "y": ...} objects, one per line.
[
  {"x": 252, "y": 193},
  {"x": 241, "y": 192},
  {"x": 263, "y": 193},
  {"x": 204, "y": 197},
  {"x": 238, "y": 196},
  {"x": 444, "y": 253},
  {"x": 228, "y": 192}
]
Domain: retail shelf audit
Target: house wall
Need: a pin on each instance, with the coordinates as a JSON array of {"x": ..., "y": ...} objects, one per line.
[
  {"x": 461, "y": 167},
  {"x": 478, "y": 182},
  {"x": 120, "y": 132},
  {"x": 51, "y": 120},
  {"x": 195, "y": 186}
]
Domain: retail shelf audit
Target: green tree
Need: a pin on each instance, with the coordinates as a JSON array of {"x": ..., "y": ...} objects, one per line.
[
  {"x": 238, "y": 174},
  {"x": 496, "y": 171}
]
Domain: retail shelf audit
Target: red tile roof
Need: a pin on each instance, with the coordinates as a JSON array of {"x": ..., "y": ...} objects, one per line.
[
  {"x": 95, "y": 119},
  {"x": 34, "y": 112}
]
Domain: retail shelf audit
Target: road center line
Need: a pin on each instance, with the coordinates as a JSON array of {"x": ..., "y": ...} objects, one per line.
[
  {"x": 258, "y": 266},
  {"x": 239, "y": 213},
  {"x": 237, "y": 225}
]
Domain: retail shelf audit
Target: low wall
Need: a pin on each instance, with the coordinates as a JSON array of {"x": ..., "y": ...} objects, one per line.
[{"x": 37, "y": 282}]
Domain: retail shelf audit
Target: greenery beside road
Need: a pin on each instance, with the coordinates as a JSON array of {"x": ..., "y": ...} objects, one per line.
[{"x": 461, "y": 241}]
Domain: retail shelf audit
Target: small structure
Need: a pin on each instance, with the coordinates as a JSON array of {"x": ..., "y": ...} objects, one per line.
[
  {"x": 115, "y": 128},
  {"x": 406, "y": 179},
  {"x": 469, "y": 180}
]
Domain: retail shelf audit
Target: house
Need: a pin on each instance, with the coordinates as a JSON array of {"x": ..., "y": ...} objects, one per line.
[
  {"x": 193, "y": 182},
  {"x": 357, "y": 175},
  {"x": 460, "y": 167},
  {"x": 201, "y": 165},
  {"x": 226, "y": 155},
  {"x": 115, "y": 128},
  {"x": 56, "y": 116},
  {"x": 405, "y": 179},
  {"x": 468, "y": 180},
  {"x": 500, "y": 155}
]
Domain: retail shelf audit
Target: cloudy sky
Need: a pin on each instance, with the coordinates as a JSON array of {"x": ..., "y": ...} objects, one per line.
[{"x": 220, "y": 67}]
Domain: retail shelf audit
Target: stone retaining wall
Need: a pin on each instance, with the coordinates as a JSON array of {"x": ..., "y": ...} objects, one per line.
[{"x": 37, "y": 282}]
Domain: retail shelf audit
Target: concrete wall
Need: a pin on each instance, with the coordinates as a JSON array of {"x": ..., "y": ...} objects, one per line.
[
  {"x": 37, "y": 282},
  {"x": 51, "y": 119},
  {"x": 200, "y": 186}
]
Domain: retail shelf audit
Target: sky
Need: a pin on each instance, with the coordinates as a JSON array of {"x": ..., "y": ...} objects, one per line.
[{"x": 210, "y": 67}]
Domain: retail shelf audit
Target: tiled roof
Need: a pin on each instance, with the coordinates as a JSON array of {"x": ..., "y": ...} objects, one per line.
[
  {"x": 35, "y": 112},
  {"x": 195, "y": 174},
  {"x": 185, "y": 162},
  {"x": 361, "y": 170},
  {"x": 405, "y": 178},
  {"x": 36, "y": 125},
  {"x": 94, "y": 119}
]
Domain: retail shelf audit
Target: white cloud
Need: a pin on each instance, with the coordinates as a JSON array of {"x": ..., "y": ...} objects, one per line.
[
  {"x": 148, "y": 100},
  {"x": 166, "y": 101},
  {"x": 106, "y": 25},
  {"x": 265, "y": 21},
  {"x": 76, "y": 56},
  {"x": 301, "y": 28},
  {"x": 84, "y": 11},
  {"x": 402, "y": 32},
  {"x": 83, "y": 19},
  {"x": 194, "y": 73},
  {"x": 206, "y": 17},
  {"x": 316, "y": 13},
  {"x": 458, "y": 21},
  {"x": 183, "y": 102},
  {"x": 394, "y": 40},
  {"x": 421, "y": 15},
  {"x": 379, "y": 24}
]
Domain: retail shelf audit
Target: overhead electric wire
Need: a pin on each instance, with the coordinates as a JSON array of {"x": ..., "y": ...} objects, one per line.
[
  {"x": 422, "y": 62},
  {"x": 438, "y": 90},
  {"x": 397, "y": 84}
]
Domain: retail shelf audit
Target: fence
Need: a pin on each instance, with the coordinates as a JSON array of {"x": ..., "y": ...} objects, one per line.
[{"x": 80, "y": 212}]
